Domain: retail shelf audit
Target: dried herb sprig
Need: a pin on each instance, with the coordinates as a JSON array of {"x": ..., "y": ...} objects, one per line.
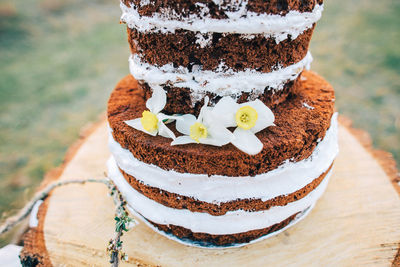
[{"x": 122, "y": 224}]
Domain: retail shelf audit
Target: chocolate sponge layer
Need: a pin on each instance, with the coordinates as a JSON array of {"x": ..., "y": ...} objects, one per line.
[
  {"x": 221, "y": 240},
  {"x": 177, "y": 201},
  {"x": 179, "y": 100},
  {"x": 186, "y": 8},
  {"x": 234, "y": 51},
  {"x": 294, "y": 137}
]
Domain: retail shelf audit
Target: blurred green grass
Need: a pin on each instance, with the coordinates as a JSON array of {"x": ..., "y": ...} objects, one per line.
[
  {"x": 357, "y": 49},
  {"x": 59, "y": 60}
]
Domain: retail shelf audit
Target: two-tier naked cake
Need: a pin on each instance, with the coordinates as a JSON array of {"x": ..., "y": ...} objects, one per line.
[{"x": 220, "y": 136}]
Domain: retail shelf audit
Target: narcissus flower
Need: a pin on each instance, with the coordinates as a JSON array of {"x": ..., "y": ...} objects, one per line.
[
  {"x": 250, "y": 118},
  {"x": 152, "y": 120},
  {"x": 206, "y": 129},
  {"x": 198, "y": 131},
  {"x": 246, "y": 117}
]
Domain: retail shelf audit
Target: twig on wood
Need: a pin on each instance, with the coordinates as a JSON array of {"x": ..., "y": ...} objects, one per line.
[
  {"x": 122, "y": 224},
  {"x": 41, "y": 195}
]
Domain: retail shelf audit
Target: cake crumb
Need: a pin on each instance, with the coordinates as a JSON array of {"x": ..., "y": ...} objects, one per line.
[
  {"x": 308, "y": 106},
  {"x": 203, "y": 41}
]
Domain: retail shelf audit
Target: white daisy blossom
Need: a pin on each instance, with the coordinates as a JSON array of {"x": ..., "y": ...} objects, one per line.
[
  {"x": 152, "y": 120},
  {"x": 206, "y": 129},
  {"x": 250, "y": 118}
]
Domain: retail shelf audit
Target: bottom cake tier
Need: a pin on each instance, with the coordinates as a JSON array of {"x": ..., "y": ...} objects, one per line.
[
  {"x": 209, "y": 196},
  {"x": 168, "y": 220}
]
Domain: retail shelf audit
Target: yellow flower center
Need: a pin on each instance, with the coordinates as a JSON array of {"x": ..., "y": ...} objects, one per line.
[
  {"x": 149, "y": 121},
  {"x": 246, "y": 117},
  {"x": 197, "y": 131}
]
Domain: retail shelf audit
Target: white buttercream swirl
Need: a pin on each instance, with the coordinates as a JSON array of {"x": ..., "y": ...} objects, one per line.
[
  {"x": 241, "y": 21},
  {"x": 220, "y": 82},
  {"x": 230, "y": 223},
  {"x": 286, "y": 179}
]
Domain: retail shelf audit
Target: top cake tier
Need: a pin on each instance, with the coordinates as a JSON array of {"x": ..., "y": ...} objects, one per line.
[{"x": 243, "y": 49}]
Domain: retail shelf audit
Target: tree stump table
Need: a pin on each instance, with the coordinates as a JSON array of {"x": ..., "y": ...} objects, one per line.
[{"x": 356, "y": 222}]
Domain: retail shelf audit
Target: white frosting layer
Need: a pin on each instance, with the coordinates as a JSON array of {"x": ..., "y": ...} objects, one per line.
[
  {"x": 230, "y": 223},
  {"x": 33, "y": 220},
  {"x": 221, "y": 82},
  {"x": 241, "y": 21},
  {"x": 286, "y": 179},
  {"x": 192, "y": 243}
]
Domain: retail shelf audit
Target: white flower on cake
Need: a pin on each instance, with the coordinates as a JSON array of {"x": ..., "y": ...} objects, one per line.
[
  {"x": 211, "y": 127},
  {"x": 250, "y": 118},
  {"x": 206, "y": 129},
  {"x": 152, "y": 120}
]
